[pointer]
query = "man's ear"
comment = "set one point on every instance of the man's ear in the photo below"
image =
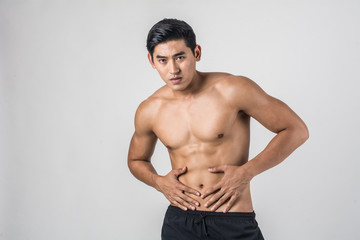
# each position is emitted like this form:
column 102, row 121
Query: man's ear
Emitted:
column 197, row 52
column 150, row 60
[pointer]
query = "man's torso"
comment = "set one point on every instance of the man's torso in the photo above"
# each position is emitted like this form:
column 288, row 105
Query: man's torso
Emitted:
column 202, row 131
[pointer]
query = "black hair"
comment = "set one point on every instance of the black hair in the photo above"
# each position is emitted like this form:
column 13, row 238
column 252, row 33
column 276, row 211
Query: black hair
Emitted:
column 170, row 29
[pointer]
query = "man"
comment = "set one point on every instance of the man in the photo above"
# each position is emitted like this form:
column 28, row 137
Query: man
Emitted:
column 204, row 119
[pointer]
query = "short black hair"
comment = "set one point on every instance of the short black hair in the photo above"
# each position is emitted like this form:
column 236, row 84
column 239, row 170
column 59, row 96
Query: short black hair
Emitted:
column 170, row 29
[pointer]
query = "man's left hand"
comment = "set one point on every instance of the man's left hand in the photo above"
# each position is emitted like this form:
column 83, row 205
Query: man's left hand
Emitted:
column 228, row 189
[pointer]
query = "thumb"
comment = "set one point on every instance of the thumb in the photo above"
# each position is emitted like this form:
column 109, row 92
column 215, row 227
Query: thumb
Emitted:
column 217, row 169
column 179, row 171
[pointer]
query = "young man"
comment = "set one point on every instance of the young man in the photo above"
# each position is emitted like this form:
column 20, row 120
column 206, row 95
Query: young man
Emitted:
column 204, row 119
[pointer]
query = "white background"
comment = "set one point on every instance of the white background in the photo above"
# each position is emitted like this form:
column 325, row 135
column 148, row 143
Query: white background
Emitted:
column 72, row 74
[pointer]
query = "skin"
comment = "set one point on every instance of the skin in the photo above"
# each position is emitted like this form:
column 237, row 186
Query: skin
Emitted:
column 204, row 121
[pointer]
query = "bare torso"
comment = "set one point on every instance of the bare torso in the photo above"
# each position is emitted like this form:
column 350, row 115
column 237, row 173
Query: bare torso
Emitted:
column 202, row 131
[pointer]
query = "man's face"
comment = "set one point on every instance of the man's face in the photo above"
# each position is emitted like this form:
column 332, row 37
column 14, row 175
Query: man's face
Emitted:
column 175, row 63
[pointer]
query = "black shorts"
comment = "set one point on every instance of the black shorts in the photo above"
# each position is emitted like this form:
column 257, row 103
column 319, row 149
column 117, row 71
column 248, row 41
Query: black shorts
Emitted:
column 189, row 225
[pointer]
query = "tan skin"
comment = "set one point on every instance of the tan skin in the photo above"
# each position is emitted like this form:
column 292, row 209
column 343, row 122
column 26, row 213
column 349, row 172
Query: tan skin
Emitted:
column 204, row 121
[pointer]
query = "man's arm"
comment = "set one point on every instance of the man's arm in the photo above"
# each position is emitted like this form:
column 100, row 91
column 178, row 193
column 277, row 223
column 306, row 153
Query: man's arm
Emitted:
column 141, row 148
column 291, row 132
column 276, row 116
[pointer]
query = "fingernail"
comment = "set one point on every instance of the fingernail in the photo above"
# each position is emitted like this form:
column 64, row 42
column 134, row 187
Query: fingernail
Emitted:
column 206, row 205
column 210, row 169
column 197, row 204
column 225, row 210
column 193, row 208
column 212, row 209
column 198, row 194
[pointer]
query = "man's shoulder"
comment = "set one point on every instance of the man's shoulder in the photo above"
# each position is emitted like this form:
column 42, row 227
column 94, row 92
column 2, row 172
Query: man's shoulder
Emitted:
column 228, row 83
column 237, row 91
column 153, row 102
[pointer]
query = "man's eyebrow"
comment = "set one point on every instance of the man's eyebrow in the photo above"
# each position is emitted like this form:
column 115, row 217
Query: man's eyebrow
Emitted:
column 158, row 56
column 175, row 55
column 179, row 53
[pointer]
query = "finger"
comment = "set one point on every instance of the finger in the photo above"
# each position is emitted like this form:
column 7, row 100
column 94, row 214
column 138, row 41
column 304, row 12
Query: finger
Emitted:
column 190, row 200
column 190, row 190
column 173, row 201
column 214, row 198
column 179, row 205
column 230, row 203
column 179, row 171
column 211, row 190
column 221, row 201
column 183, row 203
column 217, row 169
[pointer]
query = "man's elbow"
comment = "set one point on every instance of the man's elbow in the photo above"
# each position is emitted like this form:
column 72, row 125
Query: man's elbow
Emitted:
column 129, row 163
column 132, row 165
column 133, row 162
column 302, row 133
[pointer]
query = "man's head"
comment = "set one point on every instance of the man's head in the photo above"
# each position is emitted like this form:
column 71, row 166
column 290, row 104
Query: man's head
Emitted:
column 173, row 52
column 170, row 29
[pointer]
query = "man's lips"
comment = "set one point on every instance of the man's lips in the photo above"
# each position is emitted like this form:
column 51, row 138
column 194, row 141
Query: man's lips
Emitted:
column 175, row 80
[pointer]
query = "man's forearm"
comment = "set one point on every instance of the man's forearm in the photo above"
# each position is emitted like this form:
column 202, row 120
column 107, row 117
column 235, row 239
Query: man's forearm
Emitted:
column 279, row 148
column 144, row 171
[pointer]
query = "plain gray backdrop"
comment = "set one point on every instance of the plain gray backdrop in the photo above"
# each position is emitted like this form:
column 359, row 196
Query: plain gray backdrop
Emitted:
column 72, row 74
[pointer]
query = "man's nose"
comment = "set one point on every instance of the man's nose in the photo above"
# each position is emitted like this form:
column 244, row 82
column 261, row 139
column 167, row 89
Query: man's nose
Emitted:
column 174, row 68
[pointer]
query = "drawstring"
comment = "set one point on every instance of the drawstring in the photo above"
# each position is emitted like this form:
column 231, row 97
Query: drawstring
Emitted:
column 202, row 220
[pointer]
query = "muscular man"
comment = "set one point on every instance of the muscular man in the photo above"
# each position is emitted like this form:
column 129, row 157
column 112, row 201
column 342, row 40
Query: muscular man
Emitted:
column 204, row 119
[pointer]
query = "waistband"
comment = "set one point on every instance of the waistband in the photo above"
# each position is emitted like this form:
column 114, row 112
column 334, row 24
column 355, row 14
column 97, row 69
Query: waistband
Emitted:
column 189, row 212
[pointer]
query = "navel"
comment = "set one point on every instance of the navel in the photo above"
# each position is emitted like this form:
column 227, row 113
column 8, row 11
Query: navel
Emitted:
column 220, row 135
column 201, row 185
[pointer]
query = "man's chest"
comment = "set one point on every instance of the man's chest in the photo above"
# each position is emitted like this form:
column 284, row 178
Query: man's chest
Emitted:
column 202, row 120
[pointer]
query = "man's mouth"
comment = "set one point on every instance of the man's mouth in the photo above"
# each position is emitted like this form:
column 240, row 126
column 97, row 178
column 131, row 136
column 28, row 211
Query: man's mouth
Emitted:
column 175, row 80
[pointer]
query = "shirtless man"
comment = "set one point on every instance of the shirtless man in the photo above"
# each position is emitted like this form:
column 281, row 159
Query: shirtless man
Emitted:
column 204, row 121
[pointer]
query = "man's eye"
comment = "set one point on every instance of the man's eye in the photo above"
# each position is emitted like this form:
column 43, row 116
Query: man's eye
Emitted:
column 180, row 58
column 162, row 61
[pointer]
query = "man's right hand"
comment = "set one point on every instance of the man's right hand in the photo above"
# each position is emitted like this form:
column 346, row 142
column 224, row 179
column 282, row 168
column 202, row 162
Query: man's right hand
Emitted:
column 175, row 191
